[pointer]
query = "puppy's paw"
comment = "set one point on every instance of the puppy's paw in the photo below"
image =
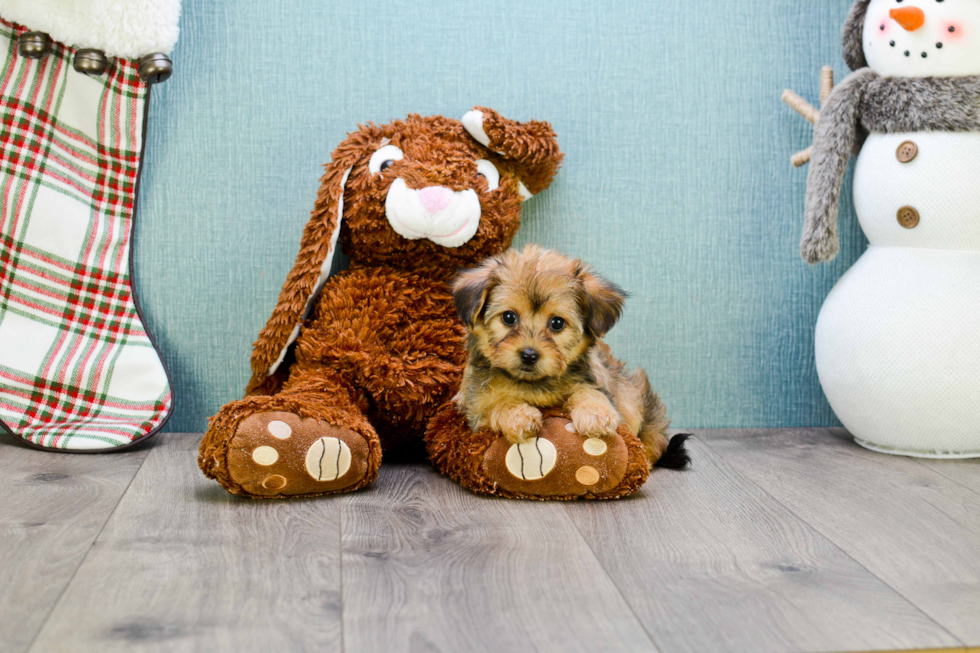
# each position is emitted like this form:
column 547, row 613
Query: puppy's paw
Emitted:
column 518, row 423
column 595, row 420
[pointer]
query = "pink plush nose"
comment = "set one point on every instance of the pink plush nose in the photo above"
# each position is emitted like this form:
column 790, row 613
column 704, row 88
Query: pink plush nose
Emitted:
column 435, row 198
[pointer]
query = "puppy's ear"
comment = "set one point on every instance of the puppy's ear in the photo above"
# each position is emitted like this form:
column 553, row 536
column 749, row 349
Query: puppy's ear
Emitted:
column 602, row 302
column 470, row 291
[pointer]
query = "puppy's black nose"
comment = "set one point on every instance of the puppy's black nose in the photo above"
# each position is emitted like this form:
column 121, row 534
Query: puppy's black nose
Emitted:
column 529, row 356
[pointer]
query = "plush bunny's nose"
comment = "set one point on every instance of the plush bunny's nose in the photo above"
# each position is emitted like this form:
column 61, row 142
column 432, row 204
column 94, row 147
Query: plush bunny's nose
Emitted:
column 911, row 18
column 435, row 198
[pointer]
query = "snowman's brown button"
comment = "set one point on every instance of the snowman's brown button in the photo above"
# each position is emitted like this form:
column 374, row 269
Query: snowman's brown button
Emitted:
column 907, row 151
column 908, row 217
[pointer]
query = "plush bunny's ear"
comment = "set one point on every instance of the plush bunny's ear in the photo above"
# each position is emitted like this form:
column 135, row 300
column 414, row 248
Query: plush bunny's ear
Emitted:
column 310, row 272
column 532, row 145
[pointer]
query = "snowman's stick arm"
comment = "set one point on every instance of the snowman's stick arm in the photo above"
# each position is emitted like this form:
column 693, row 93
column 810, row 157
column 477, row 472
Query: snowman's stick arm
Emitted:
column 808, row 111
column 802, row 157
column 826, row 83
column 805, row 109
column 801, row 106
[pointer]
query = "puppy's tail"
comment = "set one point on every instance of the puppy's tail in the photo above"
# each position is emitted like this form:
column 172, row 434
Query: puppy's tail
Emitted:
column 675, row 456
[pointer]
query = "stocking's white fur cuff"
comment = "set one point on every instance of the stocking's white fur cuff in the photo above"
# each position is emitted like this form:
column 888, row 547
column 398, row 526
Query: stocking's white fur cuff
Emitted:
column 120, row 28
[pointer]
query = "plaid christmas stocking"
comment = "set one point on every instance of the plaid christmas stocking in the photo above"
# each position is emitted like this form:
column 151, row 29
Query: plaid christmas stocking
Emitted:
column 78, row 370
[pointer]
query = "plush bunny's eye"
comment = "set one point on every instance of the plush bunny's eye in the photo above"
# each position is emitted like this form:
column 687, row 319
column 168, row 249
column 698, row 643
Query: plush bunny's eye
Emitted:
column 383, row 158
column 489, row 172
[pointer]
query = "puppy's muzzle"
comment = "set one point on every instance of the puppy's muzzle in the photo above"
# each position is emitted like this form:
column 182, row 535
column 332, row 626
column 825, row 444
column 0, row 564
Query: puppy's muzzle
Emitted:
column 446, row 217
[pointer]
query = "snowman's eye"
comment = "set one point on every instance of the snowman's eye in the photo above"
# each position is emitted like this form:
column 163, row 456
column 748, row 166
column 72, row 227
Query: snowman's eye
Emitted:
column 383, row 158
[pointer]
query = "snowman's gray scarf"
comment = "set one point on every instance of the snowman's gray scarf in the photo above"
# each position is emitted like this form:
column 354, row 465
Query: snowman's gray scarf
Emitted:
column 866, row 103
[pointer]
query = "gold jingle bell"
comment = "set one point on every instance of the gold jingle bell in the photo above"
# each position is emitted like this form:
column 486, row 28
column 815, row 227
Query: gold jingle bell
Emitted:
column 33, row 45
column 90, row 62
column 156, row 68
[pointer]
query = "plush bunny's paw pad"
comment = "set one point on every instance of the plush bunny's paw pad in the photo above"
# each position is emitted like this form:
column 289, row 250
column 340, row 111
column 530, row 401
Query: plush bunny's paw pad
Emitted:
column 558, row 463
column 280, row 454
column 473, row 123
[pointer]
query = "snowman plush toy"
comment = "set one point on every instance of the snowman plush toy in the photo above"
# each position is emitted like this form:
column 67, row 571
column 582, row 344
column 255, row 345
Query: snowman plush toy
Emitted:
column 898, row 338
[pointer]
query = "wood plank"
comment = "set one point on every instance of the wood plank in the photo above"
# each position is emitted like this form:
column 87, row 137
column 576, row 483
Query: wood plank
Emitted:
column 53, row 507
column 431, row 567
column 183, row 565
column 909, row 525
column 710, row 562
column 964, row 472
column 958, row 649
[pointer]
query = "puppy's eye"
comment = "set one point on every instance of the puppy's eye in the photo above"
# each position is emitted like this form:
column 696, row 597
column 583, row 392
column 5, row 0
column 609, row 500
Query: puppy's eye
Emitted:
column 509, row 318
column 557, row 324
column 383, row 158
column 489, row 172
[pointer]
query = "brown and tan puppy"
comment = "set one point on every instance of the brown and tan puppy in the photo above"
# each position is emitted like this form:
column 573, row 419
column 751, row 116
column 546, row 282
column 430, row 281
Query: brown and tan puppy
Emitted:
column 536, row 320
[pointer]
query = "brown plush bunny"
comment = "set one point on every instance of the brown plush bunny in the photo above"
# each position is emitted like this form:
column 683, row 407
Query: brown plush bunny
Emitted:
column 357, row 364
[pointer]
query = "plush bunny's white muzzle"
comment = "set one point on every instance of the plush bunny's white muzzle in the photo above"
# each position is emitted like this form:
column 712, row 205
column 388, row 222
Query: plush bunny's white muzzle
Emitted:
column 446, row 217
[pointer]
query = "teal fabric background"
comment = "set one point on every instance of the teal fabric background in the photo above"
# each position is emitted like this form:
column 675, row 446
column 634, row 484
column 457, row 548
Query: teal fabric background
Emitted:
column 677, row 182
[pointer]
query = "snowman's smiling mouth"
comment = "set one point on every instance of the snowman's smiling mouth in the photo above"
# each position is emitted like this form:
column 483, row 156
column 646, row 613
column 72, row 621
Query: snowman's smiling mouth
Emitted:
column 908, row 51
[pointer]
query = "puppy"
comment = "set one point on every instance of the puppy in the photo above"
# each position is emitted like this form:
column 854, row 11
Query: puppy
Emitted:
column 535, row 320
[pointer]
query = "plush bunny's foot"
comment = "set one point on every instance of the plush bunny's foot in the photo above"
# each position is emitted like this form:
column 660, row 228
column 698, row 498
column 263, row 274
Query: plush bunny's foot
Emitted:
column 279, row 454
column 558, row 464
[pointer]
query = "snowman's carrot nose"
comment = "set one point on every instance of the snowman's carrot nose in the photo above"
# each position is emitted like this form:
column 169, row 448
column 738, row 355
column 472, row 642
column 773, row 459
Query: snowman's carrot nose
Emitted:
column 911, row 18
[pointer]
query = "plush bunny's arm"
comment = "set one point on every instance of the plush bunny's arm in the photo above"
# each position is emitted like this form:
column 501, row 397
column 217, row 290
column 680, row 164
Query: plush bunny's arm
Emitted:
column 533, row 145
column 834, row 137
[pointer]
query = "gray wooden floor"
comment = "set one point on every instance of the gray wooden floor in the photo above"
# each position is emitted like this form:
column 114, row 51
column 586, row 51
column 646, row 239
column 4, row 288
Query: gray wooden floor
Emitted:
column 778, row 540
